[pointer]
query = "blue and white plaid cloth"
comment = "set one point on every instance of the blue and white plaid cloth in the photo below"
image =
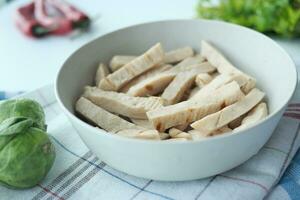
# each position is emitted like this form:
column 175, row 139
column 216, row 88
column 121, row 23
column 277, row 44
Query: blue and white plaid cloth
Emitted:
column 7, row 95
column 289, row 185
column 78, row 174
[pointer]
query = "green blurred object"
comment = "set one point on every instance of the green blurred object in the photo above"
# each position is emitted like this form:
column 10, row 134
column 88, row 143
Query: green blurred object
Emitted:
column 281, row 17
column 23, row 108
column 26, row 152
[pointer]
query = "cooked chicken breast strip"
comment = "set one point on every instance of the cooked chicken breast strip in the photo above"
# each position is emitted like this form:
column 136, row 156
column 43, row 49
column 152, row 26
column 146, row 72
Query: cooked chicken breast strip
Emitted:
column 123, row 104
column 119, row 78
column 258, row 113
column 189, row 63
column 182, row 127
column 150, row 73
column 101, row 73
column 178, row 55
column 221, row 118
column 218, row 82
column 140, row 134
column 164, row 136
column 189, row 111
column 173, row 56
column 227, row 90
column 203, row 79
column 186, row 95
column 179, row 85
column 156, row 84
column 183, row 134
column 152, row 85
column 111, row 122
column 237, row 122
column 101, row 117
column 223, row 65
column 196, row 134
column 224, row 129
column 174, row 131
column 213, row 85
column 142, row 122
column 119, row 61
column 193, row 91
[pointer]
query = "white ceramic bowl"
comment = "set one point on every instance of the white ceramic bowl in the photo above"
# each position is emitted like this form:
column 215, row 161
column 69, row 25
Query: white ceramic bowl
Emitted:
column 250, row 51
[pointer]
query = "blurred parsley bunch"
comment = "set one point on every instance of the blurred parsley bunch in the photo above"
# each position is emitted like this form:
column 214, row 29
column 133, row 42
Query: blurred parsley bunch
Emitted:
column 281, row 17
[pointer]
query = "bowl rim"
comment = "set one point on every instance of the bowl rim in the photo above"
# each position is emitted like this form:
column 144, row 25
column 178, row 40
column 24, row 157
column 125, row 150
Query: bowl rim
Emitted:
column 209, row 139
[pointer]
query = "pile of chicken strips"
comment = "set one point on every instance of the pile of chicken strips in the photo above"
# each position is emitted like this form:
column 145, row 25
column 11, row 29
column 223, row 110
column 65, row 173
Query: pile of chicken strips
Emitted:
column 174, row 95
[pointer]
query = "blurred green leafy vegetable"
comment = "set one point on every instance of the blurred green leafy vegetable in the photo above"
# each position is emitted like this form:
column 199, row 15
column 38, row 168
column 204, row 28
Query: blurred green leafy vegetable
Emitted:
column 26, row 152
column 281, row 17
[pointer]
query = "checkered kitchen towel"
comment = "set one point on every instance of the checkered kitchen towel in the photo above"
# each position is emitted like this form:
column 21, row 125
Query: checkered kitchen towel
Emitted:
column 78, row 174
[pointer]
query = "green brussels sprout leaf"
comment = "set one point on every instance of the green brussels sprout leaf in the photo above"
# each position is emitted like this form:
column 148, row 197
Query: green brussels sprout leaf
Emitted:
column 23, row 108
column 14, row 125
column 26, row 159
column 26, row 152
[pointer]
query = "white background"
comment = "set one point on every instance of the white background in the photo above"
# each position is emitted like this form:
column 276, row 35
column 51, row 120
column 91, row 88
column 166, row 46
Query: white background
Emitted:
column 26, row 64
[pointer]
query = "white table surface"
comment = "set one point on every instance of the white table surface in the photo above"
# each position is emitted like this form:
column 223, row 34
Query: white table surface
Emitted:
column 26, row 64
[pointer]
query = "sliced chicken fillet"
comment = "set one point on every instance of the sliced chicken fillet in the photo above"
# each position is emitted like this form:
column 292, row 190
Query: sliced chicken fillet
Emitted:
column 237, row 122
column 142, row 122
column 176, row 133
column 119, row 61
column 258, row 113
column 193, row 91
column 185, row 135
column 178, row 54
column 156, row 84
column 190, row 63
column 151, row 86
column 173, row 56
column 196, row 134
column 218, row 82
column 221, row 118
column 101, row 117
column 101, row 73
column 123, row 104
column 119, row 78
column 180, row 84
column 150, row 73
column 223, row 65
column 203, row 79
column 182, row 127
column 140, row 134
column 189, row 111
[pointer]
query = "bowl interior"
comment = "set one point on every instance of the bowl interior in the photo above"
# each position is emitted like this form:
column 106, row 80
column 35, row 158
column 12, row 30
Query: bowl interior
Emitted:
column 248, row 50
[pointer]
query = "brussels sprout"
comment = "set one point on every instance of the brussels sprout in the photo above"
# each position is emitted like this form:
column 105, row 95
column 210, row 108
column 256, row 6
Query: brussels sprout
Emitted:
column 26, row 159
column 26, row 152
column 12, row 126
column 23, row 108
